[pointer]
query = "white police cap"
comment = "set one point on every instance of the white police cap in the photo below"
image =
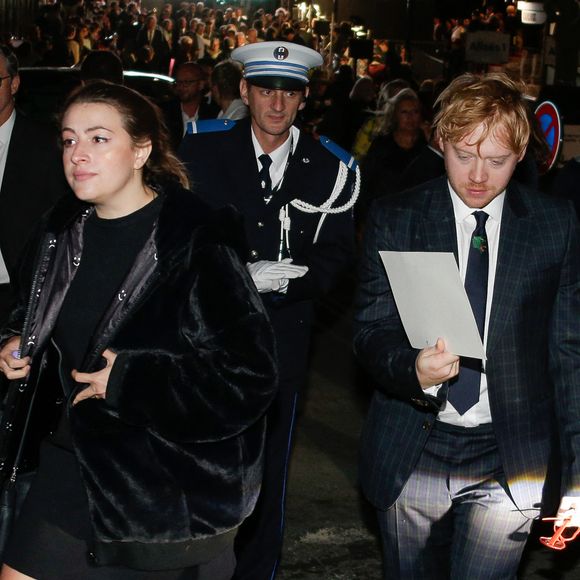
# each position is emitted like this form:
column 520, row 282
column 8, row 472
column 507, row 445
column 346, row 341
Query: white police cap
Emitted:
column 277, row 64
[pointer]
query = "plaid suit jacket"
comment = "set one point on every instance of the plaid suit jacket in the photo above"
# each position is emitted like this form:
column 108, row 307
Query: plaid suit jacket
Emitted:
column 533, row 344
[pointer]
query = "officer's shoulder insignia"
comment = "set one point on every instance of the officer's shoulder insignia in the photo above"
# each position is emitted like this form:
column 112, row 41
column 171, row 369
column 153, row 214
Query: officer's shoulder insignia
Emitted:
column 210, row 126
column 339, row 152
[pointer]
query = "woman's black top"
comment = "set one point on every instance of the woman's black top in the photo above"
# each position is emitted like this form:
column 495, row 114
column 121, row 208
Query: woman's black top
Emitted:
column 110, row 247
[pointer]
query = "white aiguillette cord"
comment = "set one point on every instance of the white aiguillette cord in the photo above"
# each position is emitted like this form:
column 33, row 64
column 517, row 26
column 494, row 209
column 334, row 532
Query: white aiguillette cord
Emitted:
column 284, row 218
column 324, row 208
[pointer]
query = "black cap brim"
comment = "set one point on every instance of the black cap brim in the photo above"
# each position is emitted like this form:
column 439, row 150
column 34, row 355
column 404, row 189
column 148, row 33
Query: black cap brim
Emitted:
column 274, row 82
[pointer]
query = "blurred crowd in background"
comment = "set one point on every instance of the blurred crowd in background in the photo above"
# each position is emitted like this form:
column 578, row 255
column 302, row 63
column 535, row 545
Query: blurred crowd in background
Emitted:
column 353, row 98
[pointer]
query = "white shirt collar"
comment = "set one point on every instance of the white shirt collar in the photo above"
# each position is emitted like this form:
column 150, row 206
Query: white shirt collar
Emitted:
column 184, row 115
column 494, row 208
column 280, row 154
column 6, row 128
column 187, row 119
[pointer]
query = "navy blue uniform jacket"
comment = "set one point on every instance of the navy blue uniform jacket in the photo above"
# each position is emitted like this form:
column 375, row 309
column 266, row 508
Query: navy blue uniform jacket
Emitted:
column 223, row 170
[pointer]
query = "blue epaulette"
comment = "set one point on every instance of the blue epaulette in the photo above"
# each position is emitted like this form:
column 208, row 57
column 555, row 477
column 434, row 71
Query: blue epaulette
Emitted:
column 339, row 152
column 210, row 126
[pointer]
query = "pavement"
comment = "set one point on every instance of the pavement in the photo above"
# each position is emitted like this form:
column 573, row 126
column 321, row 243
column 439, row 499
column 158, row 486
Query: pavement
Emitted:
column 331, row 533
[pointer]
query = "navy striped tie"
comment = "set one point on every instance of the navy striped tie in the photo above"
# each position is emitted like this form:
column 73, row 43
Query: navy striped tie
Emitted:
column 464, row 391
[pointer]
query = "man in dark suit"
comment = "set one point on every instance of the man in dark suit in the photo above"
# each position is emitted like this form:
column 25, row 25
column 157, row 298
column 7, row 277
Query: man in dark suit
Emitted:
column 298, row 224
column 190, row 104
column 456, row 457
column 31, row 176
column 151, row 35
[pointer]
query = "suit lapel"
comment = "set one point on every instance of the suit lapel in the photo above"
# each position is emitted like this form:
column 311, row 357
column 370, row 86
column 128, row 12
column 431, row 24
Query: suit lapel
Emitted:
column 293, row 178
column 517, row 235
column 438, row 228
column 240, row 156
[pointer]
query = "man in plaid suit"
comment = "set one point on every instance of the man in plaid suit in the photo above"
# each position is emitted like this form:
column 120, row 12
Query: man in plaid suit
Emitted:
column 456, row 457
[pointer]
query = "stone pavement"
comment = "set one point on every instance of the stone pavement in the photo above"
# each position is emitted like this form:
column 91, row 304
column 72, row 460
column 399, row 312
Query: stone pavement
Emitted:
column 330, row 529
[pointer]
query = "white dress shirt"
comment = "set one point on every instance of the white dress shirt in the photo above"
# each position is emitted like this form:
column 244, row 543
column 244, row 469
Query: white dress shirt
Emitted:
column 279, row 156
column 465, row 225
column 186, row 119
column 5, row 134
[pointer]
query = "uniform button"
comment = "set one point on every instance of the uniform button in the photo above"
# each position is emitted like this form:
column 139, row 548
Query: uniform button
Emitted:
column 254, row 254
column 260, row 224
column 426, row 425
column 92, row 558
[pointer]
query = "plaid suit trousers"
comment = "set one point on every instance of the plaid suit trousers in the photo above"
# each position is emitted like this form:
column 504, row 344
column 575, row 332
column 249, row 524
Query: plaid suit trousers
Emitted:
column 455, row 519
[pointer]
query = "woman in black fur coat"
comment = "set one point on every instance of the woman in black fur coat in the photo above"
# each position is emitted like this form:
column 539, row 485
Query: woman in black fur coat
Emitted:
column 139, row 321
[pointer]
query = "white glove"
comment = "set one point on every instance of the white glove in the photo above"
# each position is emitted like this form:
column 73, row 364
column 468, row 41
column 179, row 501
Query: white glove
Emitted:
column 274, row 276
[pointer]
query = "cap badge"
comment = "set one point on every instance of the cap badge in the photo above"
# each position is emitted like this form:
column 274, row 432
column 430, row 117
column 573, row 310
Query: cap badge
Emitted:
column 281, row 53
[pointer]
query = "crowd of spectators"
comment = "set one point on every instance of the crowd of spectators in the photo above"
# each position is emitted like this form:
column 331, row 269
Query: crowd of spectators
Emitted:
column 490, row 18
column 355, row 107
column 159, row 41
column 524, row 41
column 65, row 31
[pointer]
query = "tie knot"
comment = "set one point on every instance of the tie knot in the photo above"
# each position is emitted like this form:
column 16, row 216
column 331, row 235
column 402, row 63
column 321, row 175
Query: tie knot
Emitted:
column 265, row 160
column 480, row 219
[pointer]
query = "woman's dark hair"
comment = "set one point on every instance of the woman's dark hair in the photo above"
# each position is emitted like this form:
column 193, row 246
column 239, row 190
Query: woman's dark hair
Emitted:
column 143, row 122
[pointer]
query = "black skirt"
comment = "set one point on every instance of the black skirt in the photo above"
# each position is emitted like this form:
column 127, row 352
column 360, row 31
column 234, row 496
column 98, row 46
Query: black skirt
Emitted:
column 51, row 537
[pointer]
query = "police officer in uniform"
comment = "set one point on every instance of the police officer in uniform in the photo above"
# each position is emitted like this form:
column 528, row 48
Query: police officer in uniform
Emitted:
column 296, row 196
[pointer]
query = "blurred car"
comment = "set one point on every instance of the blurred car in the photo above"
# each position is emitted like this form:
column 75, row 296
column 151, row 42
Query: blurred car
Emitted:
column 44, row 89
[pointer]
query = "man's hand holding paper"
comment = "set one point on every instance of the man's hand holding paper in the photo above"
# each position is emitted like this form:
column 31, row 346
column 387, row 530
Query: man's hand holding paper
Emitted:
column 435, row 365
